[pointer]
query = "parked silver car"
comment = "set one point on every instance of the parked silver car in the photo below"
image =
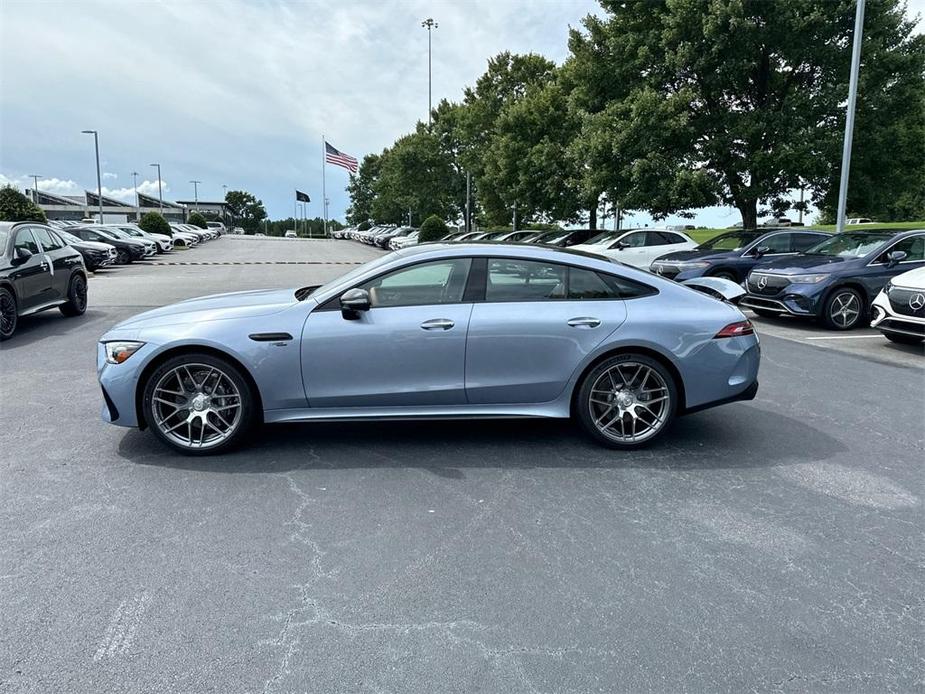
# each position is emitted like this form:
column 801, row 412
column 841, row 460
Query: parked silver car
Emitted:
column 434, row 331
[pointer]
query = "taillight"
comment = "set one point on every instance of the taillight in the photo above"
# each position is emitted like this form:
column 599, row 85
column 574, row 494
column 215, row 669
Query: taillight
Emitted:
column 742, row 327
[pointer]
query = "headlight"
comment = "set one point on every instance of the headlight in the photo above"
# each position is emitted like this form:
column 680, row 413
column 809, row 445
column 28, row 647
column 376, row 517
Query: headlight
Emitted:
column 807, row 279
column 118, row 352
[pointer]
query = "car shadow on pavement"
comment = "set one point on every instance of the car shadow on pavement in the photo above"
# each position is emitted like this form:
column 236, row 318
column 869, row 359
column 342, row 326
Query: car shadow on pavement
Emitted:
column 737, row 437
column 30, row 329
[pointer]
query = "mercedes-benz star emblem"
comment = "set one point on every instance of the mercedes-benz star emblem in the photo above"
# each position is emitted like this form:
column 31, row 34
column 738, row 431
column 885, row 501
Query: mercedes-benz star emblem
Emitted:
column 917, row 302
column 762, row 282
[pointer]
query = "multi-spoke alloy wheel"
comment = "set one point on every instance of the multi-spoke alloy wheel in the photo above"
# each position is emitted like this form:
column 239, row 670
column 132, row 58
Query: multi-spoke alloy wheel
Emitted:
column 8, row 315
column 198, row 403
column 76, row 297
column 627, row 401
column 843, row 309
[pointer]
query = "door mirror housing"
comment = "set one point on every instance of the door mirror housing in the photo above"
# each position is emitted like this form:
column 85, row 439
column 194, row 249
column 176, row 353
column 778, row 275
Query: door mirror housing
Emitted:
column 621, row 245
column 21, row 256
column 895, row 257
column 353, row 301
column 761, row 250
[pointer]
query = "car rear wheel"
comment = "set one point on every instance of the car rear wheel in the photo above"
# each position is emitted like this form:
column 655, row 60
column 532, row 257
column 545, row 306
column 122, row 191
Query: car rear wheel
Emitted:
column 627, row 401
column 76, row 297
column 843, row 310
column 9, row 314
column 199, row 404
column 901, row 339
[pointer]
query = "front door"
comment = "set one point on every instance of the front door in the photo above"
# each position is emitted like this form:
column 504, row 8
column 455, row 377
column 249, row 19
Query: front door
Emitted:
column 408, row 349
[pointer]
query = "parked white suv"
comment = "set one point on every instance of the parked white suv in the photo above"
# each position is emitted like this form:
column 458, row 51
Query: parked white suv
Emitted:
column 899, row 308
column 637, row 247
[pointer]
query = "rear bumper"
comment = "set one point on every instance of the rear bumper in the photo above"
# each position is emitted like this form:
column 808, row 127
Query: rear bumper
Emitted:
column 748, row 394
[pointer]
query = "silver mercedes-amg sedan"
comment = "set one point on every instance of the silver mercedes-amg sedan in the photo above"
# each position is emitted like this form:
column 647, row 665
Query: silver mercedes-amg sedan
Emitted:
column 434, row 331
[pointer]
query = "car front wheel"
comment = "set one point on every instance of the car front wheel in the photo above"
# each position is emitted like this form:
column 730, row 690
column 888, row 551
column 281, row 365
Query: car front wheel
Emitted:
column 627, row 401
column 843, row 310
column 123, row 257
column 199, row 404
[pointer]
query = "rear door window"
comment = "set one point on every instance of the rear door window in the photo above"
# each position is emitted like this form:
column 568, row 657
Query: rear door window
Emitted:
column 525, row 280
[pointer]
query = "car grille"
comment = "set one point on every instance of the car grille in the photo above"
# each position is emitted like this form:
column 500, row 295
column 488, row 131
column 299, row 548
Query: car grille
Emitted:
column 901, row 326
column 767, row 285
column 669, row 271
column 903, row 300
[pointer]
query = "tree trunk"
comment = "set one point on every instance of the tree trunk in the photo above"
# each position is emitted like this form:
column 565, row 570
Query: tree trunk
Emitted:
column 592, row 217
column 749, row 210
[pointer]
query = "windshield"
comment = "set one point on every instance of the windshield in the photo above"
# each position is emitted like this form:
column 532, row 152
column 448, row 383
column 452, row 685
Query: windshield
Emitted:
column 735, row 241
column 346, row 280
column 849, row 245
column 70, row 238
column 4, row 235
column 112, row 233
column 603, row 238
column 130, row 231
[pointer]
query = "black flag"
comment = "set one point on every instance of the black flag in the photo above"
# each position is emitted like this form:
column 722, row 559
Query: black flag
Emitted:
column 302, row 197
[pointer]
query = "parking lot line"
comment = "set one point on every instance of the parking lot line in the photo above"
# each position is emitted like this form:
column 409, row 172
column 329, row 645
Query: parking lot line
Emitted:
column 844, row 337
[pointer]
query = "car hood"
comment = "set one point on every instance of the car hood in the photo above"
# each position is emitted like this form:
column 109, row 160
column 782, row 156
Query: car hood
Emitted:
column 262, row 302
column 699, row 254
column 799, row 264
column 92, row 245
column 914, row 279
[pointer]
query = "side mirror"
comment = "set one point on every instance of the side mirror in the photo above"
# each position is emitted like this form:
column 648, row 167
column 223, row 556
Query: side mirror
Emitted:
column 621, row 245
column 352, row 301
column 21, row 256
column 761, row 250
column 895, row 258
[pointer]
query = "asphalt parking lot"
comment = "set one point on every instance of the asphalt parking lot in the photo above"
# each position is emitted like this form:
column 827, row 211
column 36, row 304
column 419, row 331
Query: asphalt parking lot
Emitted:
column 774, row 545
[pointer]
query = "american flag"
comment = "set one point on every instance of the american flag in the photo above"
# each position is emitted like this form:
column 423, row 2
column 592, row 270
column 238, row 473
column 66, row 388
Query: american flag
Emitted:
column 338, row 158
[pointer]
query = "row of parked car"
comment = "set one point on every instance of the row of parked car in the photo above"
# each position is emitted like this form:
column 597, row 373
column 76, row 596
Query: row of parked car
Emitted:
column 842, row 280
column 122, row 243
column 44, row 266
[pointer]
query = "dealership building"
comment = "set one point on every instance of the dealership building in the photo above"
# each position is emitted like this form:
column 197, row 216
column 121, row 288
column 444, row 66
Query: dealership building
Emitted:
column 87, row 206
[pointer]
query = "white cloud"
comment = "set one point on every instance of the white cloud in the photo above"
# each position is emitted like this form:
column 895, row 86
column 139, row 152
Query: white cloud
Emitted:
column 108, row 175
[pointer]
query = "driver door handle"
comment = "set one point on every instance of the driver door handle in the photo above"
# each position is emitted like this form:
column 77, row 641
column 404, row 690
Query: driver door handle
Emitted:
column 584, row 322
column 437, row 324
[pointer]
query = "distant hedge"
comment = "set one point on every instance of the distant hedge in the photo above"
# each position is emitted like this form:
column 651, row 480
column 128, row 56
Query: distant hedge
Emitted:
column 433, row 229
column 197, row 219
column 16, row 207
column 154, row 223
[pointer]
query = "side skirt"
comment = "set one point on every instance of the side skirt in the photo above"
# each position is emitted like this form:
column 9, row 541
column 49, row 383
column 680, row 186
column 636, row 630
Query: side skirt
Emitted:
column 554, row 410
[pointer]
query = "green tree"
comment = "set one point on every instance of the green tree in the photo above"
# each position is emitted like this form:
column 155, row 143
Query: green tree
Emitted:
column 16, row 207
column 154, row 223
column 416, row 176
column 197, row 219
column 364, row 226
column 734, row 102
column 246, row 209
column 361, row 189
column 433, row 229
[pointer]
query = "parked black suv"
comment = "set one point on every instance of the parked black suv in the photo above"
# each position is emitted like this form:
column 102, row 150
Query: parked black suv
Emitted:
column 96, row 255
column 38, row 270
column 126, row 251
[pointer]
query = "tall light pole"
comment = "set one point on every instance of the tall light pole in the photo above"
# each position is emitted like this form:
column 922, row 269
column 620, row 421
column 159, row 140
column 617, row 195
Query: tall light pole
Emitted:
column 160, row 195
column 196, row 193
column 849, row 116
column 430, row 25
column 224, row 195
column 35, row 187
column 99, row 177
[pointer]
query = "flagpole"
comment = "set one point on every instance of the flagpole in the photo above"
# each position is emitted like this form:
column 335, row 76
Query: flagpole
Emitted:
column 324, row 189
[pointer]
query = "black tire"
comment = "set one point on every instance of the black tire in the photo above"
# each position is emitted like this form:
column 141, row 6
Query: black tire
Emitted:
column 123, row 257
column 726, row 275
column 76, row 297
column 592, row 412
column 844, row 309
column 9, row 314
column 764, row 313
column 901, row 339
column 195, row 364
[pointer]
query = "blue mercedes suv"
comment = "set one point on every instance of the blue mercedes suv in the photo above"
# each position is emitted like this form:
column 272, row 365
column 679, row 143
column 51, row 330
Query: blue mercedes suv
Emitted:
column 732, row 255
column 837, row 280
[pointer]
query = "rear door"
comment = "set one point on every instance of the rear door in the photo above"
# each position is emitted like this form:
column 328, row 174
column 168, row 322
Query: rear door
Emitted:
column 59, row 258
column 537, row 322
column 32, row 279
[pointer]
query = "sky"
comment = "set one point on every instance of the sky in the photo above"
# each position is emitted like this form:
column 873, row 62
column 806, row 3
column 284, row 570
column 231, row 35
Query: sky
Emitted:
column 241, row 93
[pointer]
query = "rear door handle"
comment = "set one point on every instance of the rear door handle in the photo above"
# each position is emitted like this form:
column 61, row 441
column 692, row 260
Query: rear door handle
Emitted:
column 438, row 324
column 584, row 322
